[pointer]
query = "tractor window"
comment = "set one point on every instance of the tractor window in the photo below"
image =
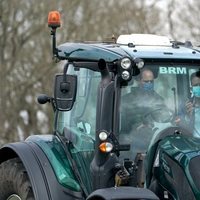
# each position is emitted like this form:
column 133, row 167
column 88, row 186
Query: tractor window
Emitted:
column 153, row 101
column 80, row 121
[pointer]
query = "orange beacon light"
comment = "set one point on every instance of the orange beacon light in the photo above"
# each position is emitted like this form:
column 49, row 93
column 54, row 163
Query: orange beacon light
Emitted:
column 54, row 19
column 54, row 23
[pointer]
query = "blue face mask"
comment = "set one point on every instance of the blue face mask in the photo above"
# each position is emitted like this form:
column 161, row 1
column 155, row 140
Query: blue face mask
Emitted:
column 196, row 91
column 149, row 86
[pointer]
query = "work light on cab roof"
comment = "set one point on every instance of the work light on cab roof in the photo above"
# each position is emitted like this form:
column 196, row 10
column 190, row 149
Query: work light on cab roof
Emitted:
column 126, row 63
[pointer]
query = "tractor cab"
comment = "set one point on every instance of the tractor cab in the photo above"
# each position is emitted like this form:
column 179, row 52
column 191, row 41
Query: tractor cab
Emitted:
column 130, row 96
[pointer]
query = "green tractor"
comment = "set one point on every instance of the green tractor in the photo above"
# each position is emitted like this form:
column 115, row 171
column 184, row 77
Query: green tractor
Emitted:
column 108, row 143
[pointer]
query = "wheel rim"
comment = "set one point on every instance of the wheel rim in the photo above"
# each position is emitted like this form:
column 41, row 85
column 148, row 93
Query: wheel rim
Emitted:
column 14, row 197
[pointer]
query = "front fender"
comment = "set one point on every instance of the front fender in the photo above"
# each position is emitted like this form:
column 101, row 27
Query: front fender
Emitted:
column 50, row 178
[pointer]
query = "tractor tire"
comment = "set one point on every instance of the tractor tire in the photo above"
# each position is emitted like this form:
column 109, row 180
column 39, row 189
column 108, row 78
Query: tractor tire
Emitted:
column 14, row 181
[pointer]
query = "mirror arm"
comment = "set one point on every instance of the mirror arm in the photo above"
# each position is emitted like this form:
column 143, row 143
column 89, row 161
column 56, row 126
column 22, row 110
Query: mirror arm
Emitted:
column 64, row 86
column 104, row 70
column 65, row 71
column 53, row 104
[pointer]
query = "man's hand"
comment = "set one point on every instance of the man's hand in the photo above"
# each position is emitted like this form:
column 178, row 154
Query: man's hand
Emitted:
column 189, row 108
column 142, row 126
column 177, row 120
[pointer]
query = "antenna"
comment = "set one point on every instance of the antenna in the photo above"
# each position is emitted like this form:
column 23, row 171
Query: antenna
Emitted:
column 175, row 101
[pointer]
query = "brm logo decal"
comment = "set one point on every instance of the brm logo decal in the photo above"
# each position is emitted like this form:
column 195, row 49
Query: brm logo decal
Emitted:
column 172, row 70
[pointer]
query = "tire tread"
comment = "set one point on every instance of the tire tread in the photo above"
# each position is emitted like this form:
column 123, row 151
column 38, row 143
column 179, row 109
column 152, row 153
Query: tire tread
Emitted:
column 14, row 180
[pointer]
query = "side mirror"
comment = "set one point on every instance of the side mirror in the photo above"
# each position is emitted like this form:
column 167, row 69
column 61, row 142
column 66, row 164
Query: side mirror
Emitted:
column 65, row 91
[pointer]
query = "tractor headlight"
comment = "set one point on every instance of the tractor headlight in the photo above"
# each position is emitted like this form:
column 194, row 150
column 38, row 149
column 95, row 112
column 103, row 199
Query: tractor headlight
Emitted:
column 139, row 63
column 125, row 75
column 125, row 63
column 125, row 69
column 103, row 136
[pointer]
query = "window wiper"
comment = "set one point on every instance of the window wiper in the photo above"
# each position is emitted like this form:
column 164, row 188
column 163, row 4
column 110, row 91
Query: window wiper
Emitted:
column 66, row 146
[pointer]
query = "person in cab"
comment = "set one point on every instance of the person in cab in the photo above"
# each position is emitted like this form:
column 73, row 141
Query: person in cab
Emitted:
column 189, row 115
column 140, row 108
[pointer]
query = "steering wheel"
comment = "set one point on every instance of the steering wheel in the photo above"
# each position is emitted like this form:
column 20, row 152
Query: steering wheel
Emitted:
column 159, row 115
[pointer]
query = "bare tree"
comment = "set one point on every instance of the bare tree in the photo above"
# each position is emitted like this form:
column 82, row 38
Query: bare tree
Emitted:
column 181, row 20
column 21, row 65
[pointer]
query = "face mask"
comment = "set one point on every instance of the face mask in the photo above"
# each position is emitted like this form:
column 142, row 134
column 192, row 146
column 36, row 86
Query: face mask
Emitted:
column 148, row 86
column 196, row 91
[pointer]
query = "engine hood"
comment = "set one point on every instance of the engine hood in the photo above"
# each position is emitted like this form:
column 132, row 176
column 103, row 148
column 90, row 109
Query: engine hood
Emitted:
column 179, row 158
column 181, row 148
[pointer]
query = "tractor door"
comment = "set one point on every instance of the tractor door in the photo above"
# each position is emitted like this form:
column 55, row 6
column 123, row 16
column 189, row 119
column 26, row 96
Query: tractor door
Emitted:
column 78, row 125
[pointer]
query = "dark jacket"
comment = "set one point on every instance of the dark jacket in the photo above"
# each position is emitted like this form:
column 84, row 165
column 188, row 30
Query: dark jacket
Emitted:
column 137, row 105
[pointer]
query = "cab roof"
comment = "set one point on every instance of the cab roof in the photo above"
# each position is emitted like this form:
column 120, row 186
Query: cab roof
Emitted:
column 144, row 46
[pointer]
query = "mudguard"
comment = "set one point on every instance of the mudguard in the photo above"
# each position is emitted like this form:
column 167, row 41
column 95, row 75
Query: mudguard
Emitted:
column 176, row 167
column 42, row 175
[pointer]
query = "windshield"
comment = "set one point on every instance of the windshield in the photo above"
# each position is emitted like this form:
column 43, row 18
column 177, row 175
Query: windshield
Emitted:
column 159, row 97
